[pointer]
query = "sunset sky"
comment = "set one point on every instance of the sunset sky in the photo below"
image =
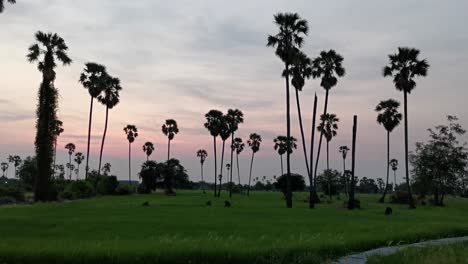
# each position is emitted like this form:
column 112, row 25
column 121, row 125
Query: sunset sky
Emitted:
column 179, row 59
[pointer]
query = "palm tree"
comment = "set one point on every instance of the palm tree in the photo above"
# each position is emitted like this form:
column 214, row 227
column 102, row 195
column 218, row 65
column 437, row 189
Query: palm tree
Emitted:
column 390, row 118
column 132, row 133
column 70, row 167
column 228, row 168
column 214, row 121
column 170, row 129
column 2, row 5
column 238, row 146
column 110, row 98
column 11, row 159
column 394, row 164
column 328, row 66
column 4, row 167
column 328, row 127
column 93, row 78
column 16, row 160
column 234, row 118
column 287, row 41
column 79, row 157
column 254, row 143
column 48, row 49
column 281, row 146
column 202, row 154
column 106, row 169
column 344, row 153
column 224, row 133
column 71, row 149
column 148, row 148
column 404, row 67
column 57, row 130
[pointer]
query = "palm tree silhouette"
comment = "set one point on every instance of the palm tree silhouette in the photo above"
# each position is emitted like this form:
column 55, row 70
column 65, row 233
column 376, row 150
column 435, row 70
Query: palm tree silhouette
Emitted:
column 48, row 49
column 234, row 118
column 57, row 130
column 328, row 127
column 110, row 98
column 404, row 67
column 344, row 153
column 238, row 146
column 224, row 133
column 389, row 117
column 281, row 146
column 93, row 78
column 71, row 149
column 10, row 159
column 394, row 164
column 254, row 143
column 170, row 129
column 148, row 148
column 106, row 168
column 328, row 66
column 16, row 160
column 132, row 133
column 287, row 41
column 4, row 167
column 79, row 157
column 214, row 122
column 2, row 5
column 70, row 167
column 202, row 154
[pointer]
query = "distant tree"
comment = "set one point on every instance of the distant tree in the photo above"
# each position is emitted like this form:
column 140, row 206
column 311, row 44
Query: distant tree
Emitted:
column 344, row 153
column 132, row 133
column 234, row 118
column 381, row 184
column 254, row 143
column 106, row 169
column 287, row 42
column 202, row 154
column 61, row 170
column 394, row 165
column 214, row 122
column 70, row 168
column 149, row 176
column 57, row 130
column 79, row 157
column 16, row 161
column 2, row 5
column 297, row 183
column 48, row 49
column 329, row 182
column 328, row 127
column 27, row 171
column 71, row 149
column 238, row 146
column 148, row 149
column 368, row 186
column 4, row 166
column 172, row 174
column 170, row 129
column 281, row 146
column 404, row 67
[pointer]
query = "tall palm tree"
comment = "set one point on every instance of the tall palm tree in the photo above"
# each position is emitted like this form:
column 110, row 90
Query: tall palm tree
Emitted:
column 281, row 146
column 394, row 164
column 47, row 51
column 57, row 130
column 11, row 159
column 287, row 42
column 344, row 153
column 328, row 127
column 238, row 146
column 16, row 162
column 328, row 66
column 389, row 117
column 110, row 98
column 93, row 78
column 234, row 118
column 79, row 157
column 2, row 5
column 4, row 167
column 132, row 133
column 404, row 67
column 224, row 133
column 214, row 122
column 254, row 143
column 202, row 154
column 170, row 129
column 148, row 149
column 71, row 149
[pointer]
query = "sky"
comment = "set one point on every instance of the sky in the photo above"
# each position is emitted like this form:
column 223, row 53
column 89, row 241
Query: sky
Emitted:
column 179, row 59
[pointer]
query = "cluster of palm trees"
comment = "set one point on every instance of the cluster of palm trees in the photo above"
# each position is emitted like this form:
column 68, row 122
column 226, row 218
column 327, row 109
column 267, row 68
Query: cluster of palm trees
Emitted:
column 13, row 159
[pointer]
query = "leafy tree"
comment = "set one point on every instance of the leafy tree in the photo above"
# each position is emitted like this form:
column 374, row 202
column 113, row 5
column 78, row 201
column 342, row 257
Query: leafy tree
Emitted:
column 234, row 118
column 367, row 186
column 148, row 149
column 48, row 49
column 344, row 153
column 27, row 172
column 329, row 182
column 71, row 149
column 79, row 157
column 287, row 42
column 404, row 67
column 132, row 133
column 170, row 129
column 172, row 174
column 202, row 154
column 394, row 165
column 297, row 183
column 148, row 176
column 254, row 143
column 238, row 146
column 57, row 130
column 281, row 146
column 2, row 5
column 214, row 123
column 381, row 184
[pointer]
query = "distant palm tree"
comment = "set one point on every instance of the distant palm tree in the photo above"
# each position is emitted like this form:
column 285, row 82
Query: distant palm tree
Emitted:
column 281, row 146
column 328, row 66
column 57, row 130
column 394, row 164
column 224, row 133
column 2, row 5
column 404, row 67
column 110, row 98
column 48, row 49
column 71, row 149
column 4, row 167
column 390, row 118
column 148, row 148
column 70, row 168
column 328, row 127
column 16, row 160
column 344, row 153
column 287, row 41
column 254, row 143
column 93, row 78
column 106, row 169
column 234, row 118
column 214, row 122
column 11, row 159
column 202, row 154
column 79, row 157
column 132, row 133
column 238, row 146
column 170, row 129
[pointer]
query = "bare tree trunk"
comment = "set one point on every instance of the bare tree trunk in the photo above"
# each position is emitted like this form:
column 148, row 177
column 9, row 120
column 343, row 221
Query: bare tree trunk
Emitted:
column 103, row 139
column 89, row 136
column 302, row 131
column 382, row 199
column 351, row 202
column 250, row 174
column 320, row 141
column 411, row 202
column 215, row 166
column 221, row 170
column 312, row 188
column 288, row 139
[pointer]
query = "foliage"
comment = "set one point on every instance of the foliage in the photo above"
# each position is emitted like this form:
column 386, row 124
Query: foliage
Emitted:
column 332, row 177
column 149, row 177
column 27, row 172
column 124, row 189
column 297, row 183
column 13, row 192
column 107, row 185
column 367, row 186
column 78, row 190
column 399, row 197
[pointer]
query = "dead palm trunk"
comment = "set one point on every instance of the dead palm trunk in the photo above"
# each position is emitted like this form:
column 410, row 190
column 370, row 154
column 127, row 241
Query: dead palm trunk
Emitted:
column 250, row 174
column 221, row 170
column 411, row 202
column 103, row 139
column 215, row 166
column 302, row 131
column 312, row 188
column 382, row 199
column 320, row 141
column 230, row 172
column 288, row 143
column 89, row 136
column 351, row 202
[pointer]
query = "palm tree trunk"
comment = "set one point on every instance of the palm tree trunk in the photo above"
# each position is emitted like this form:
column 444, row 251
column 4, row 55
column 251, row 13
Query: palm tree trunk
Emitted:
column 288, row 134
column 351, row 202
column 394, row 181
column 250, row 174
column 281, row 159
column 203, row 182
column 230, row 172
column 320, row 141
column 382, row 199
column 312, row 189
column 238, row 170
column 302, row 131
column 215, row 166
column 78, row 172
column 129, row 163
column 69, row 169
column 168, row 148
column 103, row 139
column 55, row 156
column 328, row 169
column 221, row 170
column 411, row 202
column 89, row 136
column 344, row 177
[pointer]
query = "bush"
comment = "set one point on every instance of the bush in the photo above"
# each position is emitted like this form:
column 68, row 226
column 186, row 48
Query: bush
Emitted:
column 143, row 189
column 107, row 185
column 399, row 197
column 78, row 190
column 123, row 189
column 297, row 183
column 5, row 200
column 14, row 192
column 464, row 194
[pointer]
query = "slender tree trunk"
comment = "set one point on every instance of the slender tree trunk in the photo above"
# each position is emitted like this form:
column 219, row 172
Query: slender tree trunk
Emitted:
column 344, row 177
column 288, row 135
column 69, row 169
column 203, row 182
column 328, row 170
column 55, row 156
column 89, row 136
column 129, row 163
column 312, row 188
column 351, row 202
column 238, row 170
column 250, row 174
column 394, row 180
column 281, row 159
column 411, row 202
column 302, row 131
column 320, row 141
column 230, row 172
column 221, row 170
column 388, row 168
column 78, row 172
column 215, row 166
column 103, row 139
column 168, row 148
column 147, row 158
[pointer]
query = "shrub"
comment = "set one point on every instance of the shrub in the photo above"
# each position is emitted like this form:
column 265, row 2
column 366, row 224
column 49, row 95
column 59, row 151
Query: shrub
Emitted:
column 464, row 194
column 14, row 192
column 107, row 185
column 78, row 190
column 297, row 183
column 123, row 189
column 399, row 197
column 143, row 189
column 5, row 200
